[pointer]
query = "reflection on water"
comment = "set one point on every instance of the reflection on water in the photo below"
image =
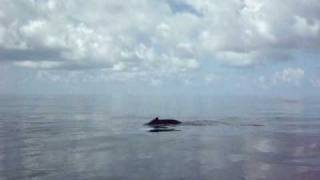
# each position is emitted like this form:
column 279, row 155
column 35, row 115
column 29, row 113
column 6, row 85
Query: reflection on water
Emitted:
column 162, row 129
column 86, row 137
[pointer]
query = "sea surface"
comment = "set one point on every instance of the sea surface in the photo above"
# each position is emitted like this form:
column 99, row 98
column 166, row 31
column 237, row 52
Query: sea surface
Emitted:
column 103, row 137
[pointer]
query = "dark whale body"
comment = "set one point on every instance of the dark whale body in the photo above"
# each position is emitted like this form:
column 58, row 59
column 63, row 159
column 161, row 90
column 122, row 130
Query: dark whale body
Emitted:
column 163, row 122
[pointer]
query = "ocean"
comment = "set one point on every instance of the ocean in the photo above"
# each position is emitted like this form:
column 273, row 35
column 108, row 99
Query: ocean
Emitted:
column 104, row 137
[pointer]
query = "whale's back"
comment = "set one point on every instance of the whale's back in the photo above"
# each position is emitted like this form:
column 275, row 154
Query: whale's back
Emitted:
column 163, row 122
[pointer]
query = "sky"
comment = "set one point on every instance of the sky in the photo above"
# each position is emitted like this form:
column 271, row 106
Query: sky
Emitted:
column 214, row 47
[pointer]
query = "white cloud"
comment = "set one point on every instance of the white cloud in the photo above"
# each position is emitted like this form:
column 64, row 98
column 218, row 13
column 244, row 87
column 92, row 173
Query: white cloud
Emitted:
column 119, row 66
column 163, row 36
column 156, row 82
column 315, row 82
column 291, row 76
column 209, row 78
column 40, row 65
column 237, row 58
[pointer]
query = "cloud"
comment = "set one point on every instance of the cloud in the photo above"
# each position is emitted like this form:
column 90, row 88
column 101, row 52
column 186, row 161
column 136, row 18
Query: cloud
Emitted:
column 40, row 65
column 166, row 36
column 209, row 78
column 290, row 76
column 179, row 6
column 315, row 82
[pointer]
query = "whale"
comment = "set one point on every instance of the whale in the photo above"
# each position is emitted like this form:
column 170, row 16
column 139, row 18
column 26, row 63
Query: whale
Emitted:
column 163, row 122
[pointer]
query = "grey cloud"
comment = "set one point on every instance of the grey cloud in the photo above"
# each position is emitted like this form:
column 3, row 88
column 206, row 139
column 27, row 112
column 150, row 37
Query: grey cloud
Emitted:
column 178, row 6
column 7, row 54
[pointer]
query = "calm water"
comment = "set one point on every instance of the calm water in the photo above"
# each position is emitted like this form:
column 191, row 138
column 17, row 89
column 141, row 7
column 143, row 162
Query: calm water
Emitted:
column 91, row 137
